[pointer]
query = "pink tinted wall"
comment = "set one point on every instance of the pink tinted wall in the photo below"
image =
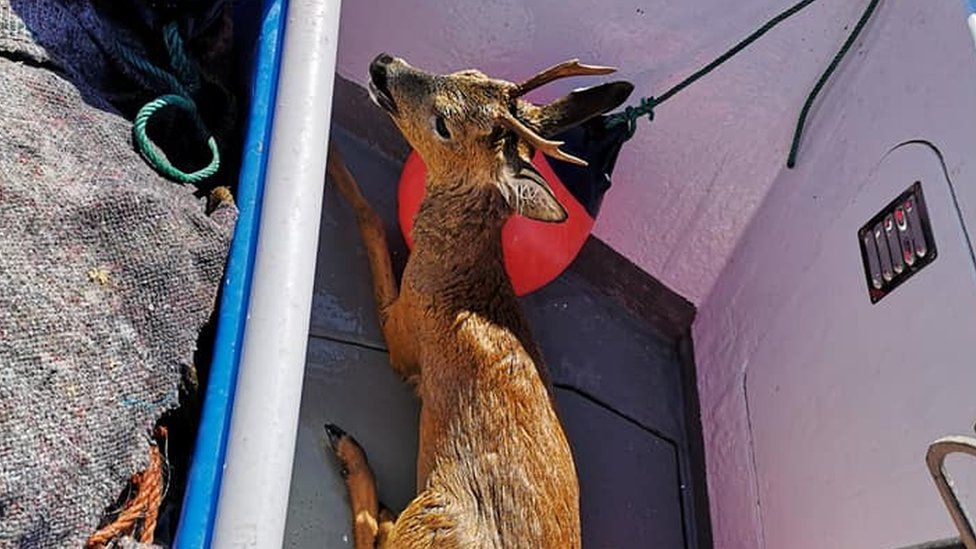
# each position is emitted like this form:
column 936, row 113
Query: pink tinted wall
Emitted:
column 688, row 183
column 818, row 406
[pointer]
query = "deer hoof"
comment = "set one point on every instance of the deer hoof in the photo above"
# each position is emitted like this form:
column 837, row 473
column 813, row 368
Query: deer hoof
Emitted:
column 335, row 434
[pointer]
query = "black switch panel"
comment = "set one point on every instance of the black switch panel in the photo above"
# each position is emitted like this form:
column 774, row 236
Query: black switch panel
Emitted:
column 896, row 243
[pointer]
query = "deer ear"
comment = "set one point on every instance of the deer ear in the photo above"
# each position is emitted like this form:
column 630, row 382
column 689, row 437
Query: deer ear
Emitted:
column 580, row 106
column 528, row 193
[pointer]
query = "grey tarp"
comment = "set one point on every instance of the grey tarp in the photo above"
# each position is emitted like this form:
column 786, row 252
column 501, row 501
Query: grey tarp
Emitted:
column 107, row 274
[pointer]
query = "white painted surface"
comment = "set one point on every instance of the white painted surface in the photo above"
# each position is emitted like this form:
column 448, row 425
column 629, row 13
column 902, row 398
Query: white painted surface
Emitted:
column 842, row 411
column 257, row 474
column 971, row 21
column 686, row 186
column 835, row 453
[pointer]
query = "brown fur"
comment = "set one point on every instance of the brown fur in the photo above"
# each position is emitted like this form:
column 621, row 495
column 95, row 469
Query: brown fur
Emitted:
column 494, row 467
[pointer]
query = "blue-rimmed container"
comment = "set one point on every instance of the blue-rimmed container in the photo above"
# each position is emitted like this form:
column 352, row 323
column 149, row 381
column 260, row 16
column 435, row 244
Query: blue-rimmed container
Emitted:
column 259, row 27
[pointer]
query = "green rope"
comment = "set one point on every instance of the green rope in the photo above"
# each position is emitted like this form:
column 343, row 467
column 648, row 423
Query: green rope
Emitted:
column 141, row 70
column 155, row 157
column 180, row 96
column 630, row 115
column 801, row 121
column 651, row 102
column 184, row 66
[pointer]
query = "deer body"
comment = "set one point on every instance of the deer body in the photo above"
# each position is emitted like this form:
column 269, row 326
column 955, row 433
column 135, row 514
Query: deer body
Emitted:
column 494, row 468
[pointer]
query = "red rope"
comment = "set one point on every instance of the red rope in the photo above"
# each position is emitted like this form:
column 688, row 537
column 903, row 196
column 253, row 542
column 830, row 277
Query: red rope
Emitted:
column 144, row 506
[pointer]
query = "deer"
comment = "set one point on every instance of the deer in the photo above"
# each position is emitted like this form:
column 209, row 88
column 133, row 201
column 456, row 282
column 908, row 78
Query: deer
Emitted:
column 494, row 466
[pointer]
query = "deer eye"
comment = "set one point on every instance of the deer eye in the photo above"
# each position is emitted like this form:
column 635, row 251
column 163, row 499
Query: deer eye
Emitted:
column 440, row 125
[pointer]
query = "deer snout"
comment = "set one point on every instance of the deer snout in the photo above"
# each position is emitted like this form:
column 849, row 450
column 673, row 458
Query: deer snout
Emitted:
column 378, row 68
column 379, row 82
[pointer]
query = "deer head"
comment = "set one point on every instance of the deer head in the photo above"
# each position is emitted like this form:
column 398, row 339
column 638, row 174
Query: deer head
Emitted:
column 471, row 129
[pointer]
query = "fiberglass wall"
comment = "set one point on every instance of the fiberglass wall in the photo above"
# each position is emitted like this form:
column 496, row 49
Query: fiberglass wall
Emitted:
column 818, row 406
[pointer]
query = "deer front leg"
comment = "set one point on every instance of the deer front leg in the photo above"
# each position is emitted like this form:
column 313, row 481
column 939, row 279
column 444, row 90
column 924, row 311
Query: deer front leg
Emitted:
column 387, row 521
column 371, row 227
column 426, row 522
column 361, row 484
column 395, row 330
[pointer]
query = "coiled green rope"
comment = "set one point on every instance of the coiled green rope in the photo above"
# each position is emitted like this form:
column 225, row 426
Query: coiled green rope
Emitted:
column 155, row 157
column 180, row 96
column 630, row 115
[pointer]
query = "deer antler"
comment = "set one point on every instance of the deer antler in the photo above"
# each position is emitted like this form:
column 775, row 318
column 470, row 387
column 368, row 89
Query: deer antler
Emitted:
column 555, row 72
column 550, row 148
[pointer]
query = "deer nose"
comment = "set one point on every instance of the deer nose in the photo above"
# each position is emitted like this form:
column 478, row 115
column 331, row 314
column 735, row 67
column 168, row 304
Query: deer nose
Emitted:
column 383, row 59
column 378, row 69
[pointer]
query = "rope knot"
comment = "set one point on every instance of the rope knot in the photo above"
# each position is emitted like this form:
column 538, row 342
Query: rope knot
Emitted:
column 631, row 114
column 646, row 106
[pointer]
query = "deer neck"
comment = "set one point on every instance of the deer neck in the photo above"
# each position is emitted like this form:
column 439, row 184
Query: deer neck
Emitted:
column 457, row 259
column 457, row 239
